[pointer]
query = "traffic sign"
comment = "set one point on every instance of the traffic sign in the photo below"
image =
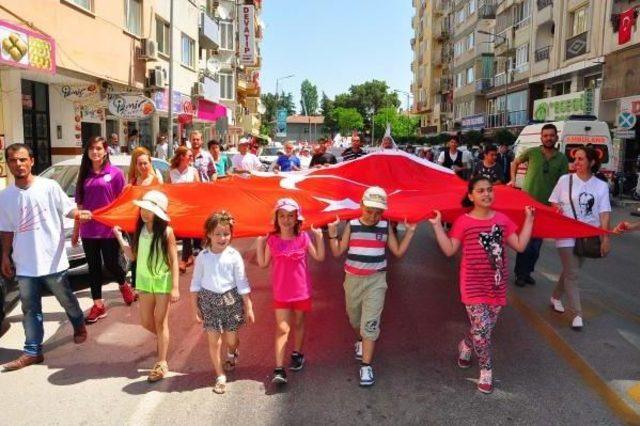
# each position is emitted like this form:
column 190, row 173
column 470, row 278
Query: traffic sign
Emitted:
column 624, row 133
column 626, row 120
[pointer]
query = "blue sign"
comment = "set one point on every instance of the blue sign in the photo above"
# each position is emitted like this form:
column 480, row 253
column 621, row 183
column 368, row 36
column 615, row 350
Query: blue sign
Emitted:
column 473, row 122
column 626, row 120
column 281, row 123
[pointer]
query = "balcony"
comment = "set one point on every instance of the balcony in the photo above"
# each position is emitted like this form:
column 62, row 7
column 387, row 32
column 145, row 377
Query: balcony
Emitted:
column 446, row 85
column 484, row 84
column 487, row 9
column 545, row 13
column 544, row 3
column 211, row 89
column 209, row 32
column 500, row 79
column 446, row 55
column 576, row 46
column 542, row 54
column 504, row 41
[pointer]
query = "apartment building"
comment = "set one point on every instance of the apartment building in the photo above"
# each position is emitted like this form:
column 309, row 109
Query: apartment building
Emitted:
column 74, row 58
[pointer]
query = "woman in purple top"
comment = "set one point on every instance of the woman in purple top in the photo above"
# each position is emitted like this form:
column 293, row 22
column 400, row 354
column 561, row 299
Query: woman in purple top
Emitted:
column 99, row 183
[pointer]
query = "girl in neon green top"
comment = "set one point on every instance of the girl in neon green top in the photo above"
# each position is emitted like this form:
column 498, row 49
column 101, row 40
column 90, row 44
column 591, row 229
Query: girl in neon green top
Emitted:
column 154, row 249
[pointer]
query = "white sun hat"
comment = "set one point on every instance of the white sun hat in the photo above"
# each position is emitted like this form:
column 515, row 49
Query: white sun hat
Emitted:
column 289, row 205
column 156, row 202
column 375, row 197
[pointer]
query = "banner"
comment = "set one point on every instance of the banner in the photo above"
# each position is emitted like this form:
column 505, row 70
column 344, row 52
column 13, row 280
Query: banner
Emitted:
column 131, row 107
column 26, row 49
column 247, row 35
column 79, row 93
column 281, row 123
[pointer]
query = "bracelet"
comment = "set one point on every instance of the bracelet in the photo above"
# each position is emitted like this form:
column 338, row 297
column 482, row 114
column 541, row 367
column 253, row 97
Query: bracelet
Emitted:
column 333, row 238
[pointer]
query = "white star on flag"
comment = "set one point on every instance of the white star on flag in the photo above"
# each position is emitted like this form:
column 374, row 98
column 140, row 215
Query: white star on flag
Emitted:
column 334, row 205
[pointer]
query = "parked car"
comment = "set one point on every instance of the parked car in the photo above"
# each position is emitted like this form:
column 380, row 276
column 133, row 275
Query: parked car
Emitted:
column 269, row 155
column 66, row 174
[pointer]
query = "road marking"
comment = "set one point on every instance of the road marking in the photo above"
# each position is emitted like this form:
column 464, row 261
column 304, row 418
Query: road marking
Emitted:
column 617, row 405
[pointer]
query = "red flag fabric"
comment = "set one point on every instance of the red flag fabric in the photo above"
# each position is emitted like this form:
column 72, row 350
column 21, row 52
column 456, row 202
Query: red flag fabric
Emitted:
column 627, row 19
column 415, row 186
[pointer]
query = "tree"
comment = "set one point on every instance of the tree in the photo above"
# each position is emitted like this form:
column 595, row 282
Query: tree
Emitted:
column 402, row 125
column 347, row 119
column 504, row 135
column 308, row 98
column 472, row 138
column 286, row 101
column 326, row 109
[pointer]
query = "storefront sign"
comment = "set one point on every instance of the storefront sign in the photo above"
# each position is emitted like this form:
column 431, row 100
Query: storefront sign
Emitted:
column 624, row 133
column 182, row 104
column 131, row 107
column 558, row 108
column 473, row 122
column 247, row 35
column 26, row 49
column 78, row 93
column 92, row 113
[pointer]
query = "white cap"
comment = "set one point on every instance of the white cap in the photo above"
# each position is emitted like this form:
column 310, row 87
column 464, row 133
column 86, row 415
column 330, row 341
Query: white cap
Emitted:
column 375, row 197
column 156, row 202
column 289, row 205
column 244, row 141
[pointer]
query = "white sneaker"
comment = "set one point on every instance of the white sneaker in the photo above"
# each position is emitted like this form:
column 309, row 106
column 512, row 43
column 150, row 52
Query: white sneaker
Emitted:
column 556, row 304
column 576, row 324
column 366, row 375
column 358, row 348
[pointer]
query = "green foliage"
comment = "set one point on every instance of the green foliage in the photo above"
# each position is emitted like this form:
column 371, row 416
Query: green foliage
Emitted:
column 401, row 125
column 308, row 98
column 503, row 135
column 472, row 137
column 271, row 105
column 347, row 119
column 326, row 109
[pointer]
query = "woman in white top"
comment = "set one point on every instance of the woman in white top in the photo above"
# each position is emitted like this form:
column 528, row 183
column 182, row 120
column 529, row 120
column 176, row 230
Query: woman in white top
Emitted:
column 590, row 197
column 182, row 171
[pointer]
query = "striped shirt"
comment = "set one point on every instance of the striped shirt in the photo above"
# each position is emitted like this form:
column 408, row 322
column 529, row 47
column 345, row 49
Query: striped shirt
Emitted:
column 367, row 245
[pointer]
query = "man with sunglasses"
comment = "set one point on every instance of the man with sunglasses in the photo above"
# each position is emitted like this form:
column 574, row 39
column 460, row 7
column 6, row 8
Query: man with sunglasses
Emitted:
column 545, row 165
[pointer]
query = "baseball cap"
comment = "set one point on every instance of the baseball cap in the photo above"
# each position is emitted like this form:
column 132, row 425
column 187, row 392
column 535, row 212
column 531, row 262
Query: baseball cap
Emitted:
column 156, row 202
column 375, row 197
column 289, row 205
column 244, row 141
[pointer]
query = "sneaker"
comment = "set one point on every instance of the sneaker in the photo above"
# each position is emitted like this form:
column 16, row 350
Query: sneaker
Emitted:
column 279, row 376
column 358, row 348
column 576, row 324
column 96, row 313
column 23, row 360
column 232, row 360
column 297, row 361
column 220, row 386
column 485, row 383
column 557, row 306
column 366, row 375
column 80, row 334
column 464, row 355
column 127, row 293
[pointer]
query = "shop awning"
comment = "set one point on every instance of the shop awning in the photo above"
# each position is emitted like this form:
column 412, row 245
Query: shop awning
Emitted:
column 210, row 111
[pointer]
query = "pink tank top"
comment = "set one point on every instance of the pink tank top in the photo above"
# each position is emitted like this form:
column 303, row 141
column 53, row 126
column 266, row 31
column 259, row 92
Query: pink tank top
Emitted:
column 289, row 270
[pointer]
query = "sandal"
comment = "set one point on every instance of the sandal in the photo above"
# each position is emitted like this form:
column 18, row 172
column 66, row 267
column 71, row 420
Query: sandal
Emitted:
column 220, row 386
column 158, row 372
column 230, row 363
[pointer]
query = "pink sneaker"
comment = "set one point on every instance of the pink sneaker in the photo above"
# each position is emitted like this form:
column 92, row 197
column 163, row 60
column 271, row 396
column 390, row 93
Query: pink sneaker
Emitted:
column 485, row 383
column 96, row 313
column 127, row 294
column 464, row 355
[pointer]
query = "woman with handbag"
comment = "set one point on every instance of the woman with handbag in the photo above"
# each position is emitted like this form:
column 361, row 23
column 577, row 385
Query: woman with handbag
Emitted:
column 584, row 197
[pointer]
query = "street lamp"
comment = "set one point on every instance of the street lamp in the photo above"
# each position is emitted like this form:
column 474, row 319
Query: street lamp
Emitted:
column 278, row 81
column 506, row 73
column 407, row 94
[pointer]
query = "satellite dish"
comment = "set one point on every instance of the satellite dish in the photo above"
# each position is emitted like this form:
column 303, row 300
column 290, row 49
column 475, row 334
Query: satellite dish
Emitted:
column 213, row 65
column 262, row 109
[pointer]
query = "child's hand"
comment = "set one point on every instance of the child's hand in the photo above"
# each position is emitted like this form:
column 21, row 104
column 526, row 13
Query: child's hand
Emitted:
column 622, row 227
column 411, row 227
column 316, row 232
column 529, row 212
column 437, row 219
column 75, row 237
column 250, row 318
column 198, row 316
column 175, row 295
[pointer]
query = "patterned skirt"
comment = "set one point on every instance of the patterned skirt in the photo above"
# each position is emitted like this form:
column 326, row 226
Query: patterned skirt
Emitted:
column 221, row 312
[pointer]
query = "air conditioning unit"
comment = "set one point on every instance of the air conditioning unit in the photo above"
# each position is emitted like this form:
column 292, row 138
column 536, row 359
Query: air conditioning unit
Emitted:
column 149, row 50
column 197, row 91
column 157, row 78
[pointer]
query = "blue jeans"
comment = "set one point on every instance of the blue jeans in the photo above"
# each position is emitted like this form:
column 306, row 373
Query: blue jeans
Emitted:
column 526, row 261
column 31, row 300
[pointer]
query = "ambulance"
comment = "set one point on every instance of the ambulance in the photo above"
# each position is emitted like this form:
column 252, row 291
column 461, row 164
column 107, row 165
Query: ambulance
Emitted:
column 572, row 133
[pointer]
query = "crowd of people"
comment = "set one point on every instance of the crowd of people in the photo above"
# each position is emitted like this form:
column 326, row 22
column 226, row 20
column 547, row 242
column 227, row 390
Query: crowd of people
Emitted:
column 32, row 210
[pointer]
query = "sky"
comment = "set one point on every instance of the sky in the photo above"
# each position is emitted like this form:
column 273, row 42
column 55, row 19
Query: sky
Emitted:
column 336, row 43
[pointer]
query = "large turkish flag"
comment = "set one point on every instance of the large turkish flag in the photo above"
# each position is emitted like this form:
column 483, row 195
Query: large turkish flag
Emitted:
column 416, row 187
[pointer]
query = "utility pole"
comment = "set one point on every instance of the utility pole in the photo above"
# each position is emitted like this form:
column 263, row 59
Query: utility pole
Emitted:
column 170, row 95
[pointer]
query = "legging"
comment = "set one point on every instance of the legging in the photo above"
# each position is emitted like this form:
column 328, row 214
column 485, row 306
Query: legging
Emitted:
column 97, row 251
column 483, row 318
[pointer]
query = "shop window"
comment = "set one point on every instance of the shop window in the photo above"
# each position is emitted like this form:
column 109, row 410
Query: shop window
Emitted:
column 162, row 36
column 187, row 55
column 561, row 88
column 579, row 20
column 133, row 16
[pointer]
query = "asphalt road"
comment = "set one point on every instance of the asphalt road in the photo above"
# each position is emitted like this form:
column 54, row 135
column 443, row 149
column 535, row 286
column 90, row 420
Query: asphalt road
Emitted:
column 545, row 373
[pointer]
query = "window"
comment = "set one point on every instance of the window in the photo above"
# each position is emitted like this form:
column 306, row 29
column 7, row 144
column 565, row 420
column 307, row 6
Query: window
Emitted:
column 472, row 7
column 162, row 35
column 226, row 86
column 188, row 51
column 226, row 35
column 522, row 12
column 522, row 58
column 133, row 16
column 470, row 75
column 591, row 81
column 470, row 41
column 562, row 88
column 85, row 4
column 579, row 18
column 459, row 79
column 458, row 48
column 460, row 16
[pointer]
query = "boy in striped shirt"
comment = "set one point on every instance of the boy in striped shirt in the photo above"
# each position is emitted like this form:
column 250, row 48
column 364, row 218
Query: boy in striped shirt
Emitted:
column 365, row 240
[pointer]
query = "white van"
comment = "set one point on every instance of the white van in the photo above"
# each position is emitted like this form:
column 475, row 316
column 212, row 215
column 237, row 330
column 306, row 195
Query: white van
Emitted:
column 571, row 134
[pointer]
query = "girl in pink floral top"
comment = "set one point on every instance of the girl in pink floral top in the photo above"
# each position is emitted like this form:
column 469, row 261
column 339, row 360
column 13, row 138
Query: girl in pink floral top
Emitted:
column 483, row 234
column 288, row 248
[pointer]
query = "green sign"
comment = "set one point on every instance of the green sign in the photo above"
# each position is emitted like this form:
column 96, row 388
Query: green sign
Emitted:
column 561, row 107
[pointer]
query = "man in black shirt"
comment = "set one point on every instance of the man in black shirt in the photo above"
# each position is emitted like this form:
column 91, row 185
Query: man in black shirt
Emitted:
column 355, row 151
column 505, row 157
column 322, row 157
column 489, row 167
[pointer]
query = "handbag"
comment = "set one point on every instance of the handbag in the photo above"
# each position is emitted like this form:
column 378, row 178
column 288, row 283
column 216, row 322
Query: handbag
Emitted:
column 585, row 246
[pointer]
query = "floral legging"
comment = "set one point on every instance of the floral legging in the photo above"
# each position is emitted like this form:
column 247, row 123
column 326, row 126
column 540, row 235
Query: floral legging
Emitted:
column 483, row 318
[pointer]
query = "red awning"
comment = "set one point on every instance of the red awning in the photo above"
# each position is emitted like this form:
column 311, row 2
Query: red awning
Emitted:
column 210, row 111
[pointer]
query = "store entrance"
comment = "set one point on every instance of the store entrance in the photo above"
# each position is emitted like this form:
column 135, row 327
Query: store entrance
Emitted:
column 35, row 118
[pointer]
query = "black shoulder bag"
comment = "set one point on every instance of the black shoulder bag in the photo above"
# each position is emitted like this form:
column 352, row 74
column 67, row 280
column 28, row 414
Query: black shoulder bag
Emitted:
column 585, row 246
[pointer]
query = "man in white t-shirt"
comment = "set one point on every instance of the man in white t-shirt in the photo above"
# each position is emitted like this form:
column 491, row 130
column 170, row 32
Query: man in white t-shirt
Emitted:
column 455, row 159
column 32, row 212
column 244, row 161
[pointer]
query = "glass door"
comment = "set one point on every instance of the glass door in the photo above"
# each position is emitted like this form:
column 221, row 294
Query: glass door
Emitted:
column 35, row 118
